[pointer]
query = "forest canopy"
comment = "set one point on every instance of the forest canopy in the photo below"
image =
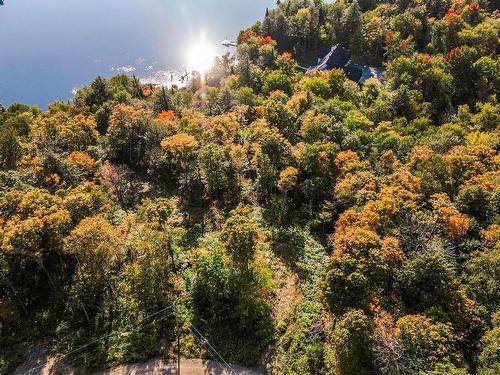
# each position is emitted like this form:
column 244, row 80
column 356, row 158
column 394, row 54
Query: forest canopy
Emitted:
column 302, row 223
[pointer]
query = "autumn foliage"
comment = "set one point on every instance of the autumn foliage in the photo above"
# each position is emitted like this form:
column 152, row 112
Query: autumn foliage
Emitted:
column 303, row 223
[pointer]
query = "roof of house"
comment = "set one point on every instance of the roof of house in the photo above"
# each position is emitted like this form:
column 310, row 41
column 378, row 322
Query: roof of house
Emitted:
column 352, row 72
column 338, row 58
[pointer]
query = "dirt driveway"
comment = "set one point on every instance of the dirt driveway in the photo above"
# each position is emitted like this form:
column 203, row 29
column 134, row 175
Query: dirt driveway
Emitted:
column 188, row 367
column 40, row 363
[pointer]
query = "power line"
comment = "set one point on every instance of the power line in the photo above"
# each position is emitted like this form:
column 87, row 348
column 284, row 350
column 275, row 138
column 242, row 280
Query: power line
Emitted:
column 204, row 339
column 196, row 332
column 121, row 334
column 106, row 336
column 203, row 345
column 137, row 328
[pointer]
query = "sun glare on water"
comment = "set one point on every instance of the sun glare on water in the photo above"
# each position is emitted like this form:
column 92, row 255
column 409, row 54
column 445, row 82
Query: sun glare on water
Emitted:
column 201, row 56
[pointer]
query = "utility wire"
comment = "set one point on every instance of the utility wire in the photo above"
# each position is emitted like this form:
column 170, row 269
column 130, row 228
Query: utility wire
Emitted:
column 120, row 334
column 204, row 339
column 137, row 328
column 203, row 345
column 191, row 327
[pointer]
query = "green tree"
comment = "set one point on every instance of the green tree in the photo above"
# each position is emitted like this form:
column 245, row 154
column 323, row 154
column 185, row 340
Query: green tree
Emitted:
column 353, row 340
column 234, row 312
column 217, row 173
column 465, row 77
column 146, row 286
column 241, row 236
column 483, row 277
column 127, row 130
column 350, row 23
column 278, row 114
column 427, row 280
column 319, row 86
column 349, row 282
column 445, row 368
column 10, row 148
column 425, row 343
column 161, row 100
column 97, row 93
column 91, row 311
column 277, row 80
column 489, row 358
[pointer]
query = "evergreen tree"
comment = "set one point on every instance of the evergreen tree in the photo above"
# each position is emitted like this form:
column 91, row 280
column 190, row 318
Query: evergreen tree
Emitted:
column 136, row 88
column 350, row 23
column 161, row 101
column 10, row 148
column 98, row 93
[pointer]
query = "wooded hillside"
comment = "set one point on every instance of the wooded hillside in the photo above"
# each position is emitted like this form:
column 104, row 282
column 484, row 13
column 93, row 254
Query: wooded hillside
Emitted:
column 304, row 224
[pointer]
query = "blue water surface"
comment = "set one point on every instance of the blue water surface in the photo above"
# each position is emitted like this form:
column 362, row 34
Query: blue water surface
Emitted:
column 50, row 47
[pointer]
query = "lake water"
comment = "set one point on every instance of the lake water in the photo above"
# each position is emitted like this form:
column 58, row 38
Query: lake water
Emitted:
column 50, row 47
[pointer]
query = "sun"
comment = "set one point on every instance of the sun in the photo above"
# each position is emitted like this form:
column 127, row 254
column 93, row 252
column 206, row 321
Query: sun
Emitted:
column 201, row 56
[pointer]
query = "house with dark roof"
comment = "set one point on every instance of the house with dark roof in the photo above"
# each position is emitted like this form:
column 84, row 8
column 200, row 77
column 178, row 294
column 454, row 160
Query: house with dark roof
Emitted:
column 336, row 57
column 339, row 57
